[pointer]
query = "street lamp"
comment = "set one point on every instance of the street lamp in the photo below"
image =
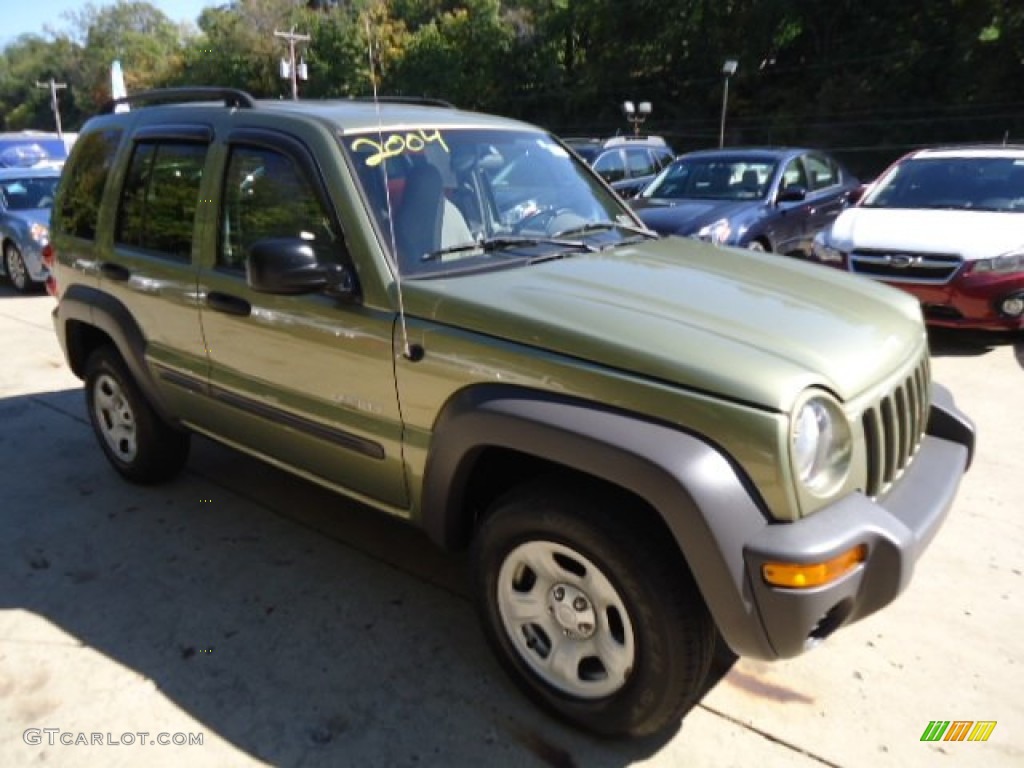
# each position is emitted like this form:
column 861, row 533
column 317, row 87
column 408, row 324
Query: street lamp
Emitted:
column 636, row 114
column 728, row 69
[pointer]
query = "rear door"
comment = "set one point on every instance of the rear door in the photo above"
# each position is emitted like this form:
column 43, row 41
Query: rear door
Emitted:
column 306, row 381
column 154, row 237
column 791, row 216
column 827, row 195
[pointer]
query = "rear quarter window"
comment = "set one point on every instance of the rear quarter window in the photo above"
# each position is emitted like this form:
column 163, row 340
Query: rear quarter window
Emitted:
column 82, row 183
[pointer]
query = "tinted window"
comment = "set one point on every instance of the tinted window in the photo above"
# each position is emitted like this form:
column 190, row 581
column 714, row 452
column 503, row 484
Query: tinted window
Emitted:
column 662, row 157
column 974, row 182
column 611, row 166
column 639, row 162
column 160, row 198
column 84, row 180
column 714, row 178
column 266, row 195
column 28, row 193
column 822, row 171
column 793, row 176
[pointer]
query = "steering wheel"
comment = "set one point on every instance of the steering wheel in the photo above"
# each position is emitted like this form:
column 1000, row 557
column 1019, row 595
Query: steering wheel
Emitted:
column 540, row 218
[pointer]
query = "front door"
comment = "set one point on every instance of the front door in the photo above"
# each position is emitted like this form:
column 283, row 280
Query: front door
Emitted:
column 306, row 381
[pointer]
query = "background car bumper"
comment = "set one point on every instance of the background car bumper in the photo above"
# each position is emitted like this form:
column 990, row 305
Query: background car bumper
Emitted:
column 970, row 301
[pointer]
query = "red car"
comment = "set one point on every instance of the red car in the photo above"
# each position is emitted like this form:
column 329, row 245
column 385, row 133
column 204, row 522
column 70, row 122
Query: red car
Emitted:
column 946, row 225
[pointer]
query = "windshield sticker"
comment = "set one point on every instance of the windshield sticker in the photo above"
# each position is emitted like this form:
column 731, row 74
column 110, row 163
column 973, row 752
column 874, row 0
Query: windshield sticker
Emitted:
column 399, row 143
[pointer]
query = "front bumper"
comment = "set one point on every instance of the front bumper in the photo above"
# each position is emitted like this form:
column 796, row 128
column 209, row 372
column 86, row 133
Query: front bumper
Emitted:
column 895, row 529
column 969, row 301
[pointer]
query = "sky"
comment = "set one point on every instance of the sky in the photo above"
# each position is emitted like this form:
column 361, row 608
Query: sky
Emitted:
column 18, row 17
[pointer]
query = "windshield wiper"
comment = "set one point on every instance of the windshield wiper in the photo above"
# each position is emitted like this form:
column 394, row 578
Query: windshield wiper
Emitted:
column 502, row 242
column 603, row 226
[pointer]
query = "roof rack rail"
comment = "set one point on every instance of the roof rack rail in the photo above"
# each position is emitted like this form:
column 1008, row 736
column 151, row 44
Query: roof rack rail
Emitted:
column 233, row 97
column 425, row 101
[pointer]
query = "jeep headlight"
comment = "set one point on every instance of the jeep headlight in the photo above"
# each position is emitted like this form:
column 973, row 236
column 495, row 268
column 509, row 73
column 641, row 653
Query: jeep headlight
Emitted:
column 820, row 445
column 717, row 232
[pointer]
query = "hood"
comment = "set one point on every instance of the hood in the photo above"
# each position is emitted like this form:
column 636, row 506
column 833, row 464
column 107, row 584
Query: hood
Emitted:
column 750, row 327
column 970, row 234
column 685, row 217
column 32, row 216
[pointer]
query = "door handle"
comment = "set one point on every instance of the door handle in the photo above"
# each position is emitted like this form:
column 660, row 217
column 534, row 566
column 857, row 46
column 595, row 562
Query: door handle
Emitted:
column 228, row 304
column 115, row 272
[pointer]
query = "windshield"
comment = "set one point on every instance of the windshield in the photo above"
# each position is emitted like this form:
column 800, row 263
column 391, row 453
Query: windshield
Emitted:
column 976, row 183
column 451, row 200
column 27, row 194
column 718, row 178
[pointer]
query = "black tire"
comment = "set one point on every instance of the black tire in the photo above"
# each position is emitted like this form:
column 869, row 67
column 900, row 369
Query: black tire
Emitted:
column 137, row 442
column 16, row 271
column 640, row 606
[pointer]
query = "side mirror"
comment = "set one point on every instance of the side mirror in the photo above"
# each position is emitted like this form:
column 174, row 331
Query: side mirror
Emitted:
column 791, row 195
column 289, row 266
column 856, row 194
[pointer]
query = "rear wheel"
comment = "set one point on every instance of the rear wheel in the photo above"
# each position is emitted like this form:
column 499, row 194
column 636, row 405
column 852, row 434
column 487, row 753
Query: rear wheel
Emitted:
column 141, row 446
column 757, row 245
column 17, row 272
column 593, row 618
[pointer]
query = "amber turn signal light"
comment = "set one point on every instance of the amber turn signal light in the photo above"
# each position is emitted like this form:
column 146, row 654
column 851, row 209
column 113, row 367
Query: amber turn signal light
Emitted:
column 804, row 575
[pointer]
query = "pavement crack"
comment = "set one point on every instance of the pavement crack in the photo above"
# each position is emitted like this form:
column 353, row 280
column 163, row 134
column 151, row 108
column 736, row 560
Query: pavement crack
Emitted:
column 74, row 416
column 770, row 737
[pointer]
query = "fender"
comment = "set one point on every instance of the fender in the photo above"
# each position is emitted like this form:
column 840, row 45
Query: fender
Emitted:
column 946, row 421
column 92, row 307
column 705, row 501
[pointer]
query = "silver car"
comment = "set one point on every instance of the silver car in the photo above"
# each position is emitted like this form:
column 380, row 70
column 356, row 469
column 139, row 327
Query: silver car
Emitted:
column 26, row 198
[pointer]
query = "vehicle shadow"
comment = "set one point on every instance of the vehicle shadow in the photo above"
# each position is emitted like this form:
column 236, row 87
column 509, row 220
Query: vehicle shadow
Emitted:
column 956, row 342
column 297, row 626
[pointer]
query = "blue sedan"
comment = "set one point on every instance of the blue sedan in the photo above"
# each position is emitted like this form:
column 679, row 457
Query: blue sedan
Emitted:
column 764, row 199
column 26, row 198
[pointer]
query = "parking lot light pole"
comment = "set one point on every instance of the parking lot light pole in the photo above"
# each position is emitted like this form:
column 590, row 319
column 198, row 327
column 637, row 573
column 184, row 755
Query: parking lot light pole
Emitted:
column 728, row 69
column 636, row 114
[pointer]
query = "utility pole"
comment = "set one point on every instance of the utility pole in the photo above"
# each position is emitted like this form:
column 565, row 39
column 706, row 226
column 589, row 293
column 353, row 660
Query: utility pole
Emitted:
column 293, row 71
column 54, row 87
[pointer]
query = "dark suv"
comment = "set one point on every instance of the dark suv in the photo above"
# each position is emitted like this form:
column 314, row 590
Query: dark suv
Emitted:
column 628, row 163
column 645, row 443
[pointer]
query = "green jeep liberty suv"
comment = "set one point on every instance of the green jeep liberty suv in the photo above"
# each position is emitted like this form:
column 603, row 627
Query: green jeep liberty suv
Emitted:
column 646, row 443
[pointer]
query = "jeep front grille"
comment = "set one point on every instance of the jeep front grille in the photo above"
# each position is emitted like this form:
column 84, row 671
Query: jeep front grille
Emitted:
column 893, row 428
column 905, row 266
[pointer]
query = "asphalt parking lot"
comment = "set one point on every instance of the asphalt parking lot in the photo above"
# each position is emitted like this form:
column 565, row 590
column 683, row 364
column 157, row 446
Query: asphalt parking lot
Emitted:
column 285, row 626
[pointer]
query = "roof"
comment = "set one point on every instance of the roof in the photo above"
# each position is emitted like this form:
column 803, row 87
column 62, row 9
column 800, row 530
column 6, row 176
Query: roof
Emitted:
column 616, row 141
column 359, row 116
column 747, row 152
column 347, row 115
column 1009, row 151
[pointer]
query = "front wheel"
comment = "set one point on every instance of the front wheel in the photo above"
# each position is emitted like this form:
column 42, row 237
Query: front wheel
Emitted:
column 17, row 272
column 592, row 616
